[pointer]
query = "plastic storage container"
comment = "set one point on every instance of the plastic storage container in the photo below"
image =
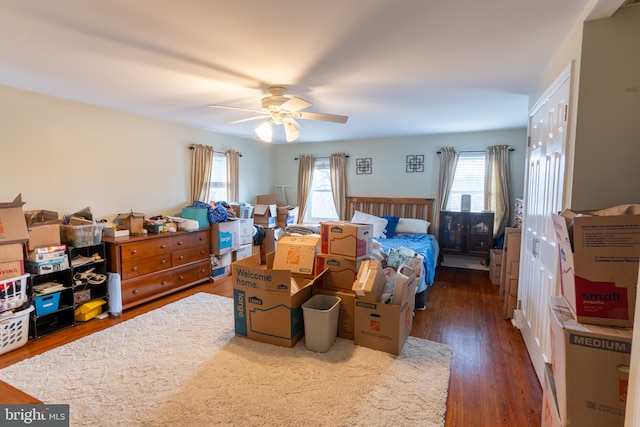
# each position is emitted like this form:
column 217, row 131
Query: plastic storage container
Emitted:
column 47, row 303
column 80, row 236
column 14, row 329
column 321, row 314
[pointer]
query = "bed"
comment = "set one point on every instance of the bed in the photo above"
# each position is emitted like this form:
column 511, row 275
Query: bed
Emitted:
column 423, row 242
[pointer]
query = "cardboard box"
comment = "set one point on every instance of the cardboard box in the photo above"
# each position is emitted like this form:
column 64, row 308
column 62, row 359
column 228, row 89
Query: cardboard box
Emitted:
column 342, row 272
column 510, row 254
column 287, row 215
column 246, row 231
column 265, row 211
column 599, row 266
column 269, row 242
column 346, row 239
column 243, row 252
column 495, row 265
column 221, row 272
column 218, row 261
column 225, row 237
column 385, row 327
column 266, row 310
column 46, row 253
column 591, row 368
column 370, row 281
column 243, row 211
column 11, row 260
column 132, row 221
column 13, row 228
column 550, row 412
column 43, row 227
column 296, row 253
column 347, row 316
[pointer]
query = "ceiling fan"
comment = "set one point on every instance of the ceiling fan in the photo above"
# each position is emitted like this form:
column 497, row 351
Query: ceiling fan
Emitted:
column 283, row 110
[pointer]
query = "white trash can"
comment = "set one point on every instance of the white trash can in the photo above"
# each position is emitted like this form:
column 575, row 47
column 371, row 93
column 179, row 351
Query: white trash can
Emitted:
column 321, row 314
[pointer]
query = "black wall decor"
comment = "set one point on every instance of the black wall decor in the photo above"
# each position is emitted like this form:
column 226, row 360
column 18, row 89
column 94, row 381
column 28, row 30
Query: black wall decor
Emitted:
column 364, row 166
column 415, row 163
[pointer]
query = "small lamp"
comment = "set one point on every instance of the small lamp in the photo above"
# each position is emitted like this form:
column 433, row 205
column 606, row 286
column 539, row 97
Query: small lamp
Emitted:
column 265, row 132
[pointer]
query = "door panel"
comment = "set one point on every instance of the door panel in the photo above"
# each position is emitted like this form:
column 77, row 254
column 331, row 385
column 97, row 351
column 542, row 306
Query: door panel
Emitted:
column 538, row 277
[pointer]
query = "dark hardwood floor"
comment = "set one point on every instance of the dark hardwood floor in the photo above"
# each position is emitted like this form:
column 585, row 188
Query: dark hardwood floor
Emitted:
column 492, row 380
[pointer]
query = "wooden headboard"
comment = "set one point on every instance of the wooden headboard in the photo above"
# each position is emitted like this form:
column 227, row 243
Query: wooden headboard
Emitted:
column 404, row 207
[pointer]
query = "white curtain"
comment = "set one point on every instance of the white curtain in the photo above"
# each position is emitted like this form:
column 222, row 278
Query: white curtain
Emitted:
column 448, row 162
column 201, row 161
column 233, row 175
column 338, row 170
column 305, row 177
column 498, row 186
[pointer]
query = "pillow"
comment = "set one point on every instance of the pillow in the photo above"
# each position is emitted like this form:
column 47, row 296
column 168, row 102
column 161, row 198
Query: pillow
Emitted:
column 412, row 226
column 390, row 229
column 378, row 223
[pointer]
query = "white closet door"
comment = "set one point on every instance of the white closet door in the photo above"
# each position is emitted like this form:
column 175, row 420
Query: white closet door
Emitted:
column 538, row 278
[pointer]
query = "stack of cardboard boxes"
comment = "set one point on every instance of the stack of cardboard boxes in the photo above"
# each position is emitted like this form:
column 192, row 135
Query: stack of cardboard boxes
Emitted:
column 268, row 298
column 591, row 323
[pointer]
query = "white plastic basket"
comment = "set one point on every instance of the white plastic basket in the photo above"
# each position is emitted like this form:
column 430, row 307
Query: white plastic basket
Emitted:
column 13, row 292
column 14, row 329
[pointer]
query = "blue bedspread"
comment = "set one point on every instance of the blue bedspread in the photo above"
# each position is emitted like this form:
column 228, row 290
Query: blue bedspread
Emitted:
column 425, row 245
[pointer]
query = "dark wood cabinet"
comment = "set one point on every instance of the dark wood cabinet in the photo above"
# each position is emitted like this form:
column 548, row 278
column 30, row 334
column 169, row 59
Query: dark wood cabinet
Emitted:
column 466, row 233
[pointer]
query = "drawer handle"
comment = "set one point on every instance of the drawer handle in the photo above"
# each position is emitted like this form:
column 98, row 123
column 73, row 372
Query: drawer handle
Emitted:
column 164, row 261
column 202, row 252
column 180, row 243
column 133, row 252
column 181, row 277
column 201, row 238
column 135, row 291
column 181, row 257
column 163, row 246
column 164, row 282
column 134, row 269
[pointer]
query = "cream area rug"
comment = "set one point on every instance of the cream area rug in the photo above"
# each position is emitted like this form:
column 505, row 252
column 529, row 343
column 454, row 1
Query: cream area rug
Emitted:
column 181, row 365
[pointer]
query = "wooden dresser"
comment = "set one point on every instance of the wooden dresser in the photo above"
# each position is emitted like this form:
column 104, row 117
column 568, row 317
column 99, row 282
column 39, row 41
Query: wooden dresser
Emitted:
column 158, row 264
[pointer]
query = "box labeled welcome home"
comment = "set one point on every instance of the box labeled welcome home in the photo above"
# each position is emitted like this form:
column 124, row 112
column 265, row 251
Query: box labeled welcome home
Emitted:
column 385, row 327
column 266, row 308
column 591, row 369
column 599, row 264
column 225, row 237
column 346, row 239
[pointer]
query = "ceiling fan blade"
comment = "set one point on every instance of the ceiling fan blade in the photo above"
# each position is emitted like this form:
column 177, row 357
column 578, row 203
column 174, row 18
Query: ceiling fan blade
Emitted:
column 235, row 108
column 321, row 116
column 295, row 104
column 292, row 121
column 249, row 119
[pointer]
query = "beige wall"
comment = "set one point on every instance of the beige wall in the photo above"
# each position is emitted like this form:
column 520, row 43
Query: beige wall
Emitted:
column 388, row 155
column 65, row 156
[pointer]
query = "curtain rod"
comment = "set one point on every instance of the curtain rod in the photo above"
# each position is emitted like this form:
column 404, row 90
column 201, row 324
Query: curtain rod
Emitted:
column 191, row 147
column 318, row 157
column 474, row 151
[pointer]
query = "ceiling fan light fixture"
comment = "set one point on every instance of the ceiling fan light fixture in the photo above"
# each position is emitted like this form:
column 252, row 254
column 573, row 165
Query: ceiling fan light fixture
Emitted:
column 265, row 132
column 292, row 133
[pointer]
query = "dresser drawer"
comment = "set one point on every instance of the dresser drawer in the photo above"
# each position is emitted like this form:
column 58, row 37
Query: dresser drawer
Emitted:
column 189, row 255
column 138, row 267
column 150, row 287
column 189, row 240
column 145, row 248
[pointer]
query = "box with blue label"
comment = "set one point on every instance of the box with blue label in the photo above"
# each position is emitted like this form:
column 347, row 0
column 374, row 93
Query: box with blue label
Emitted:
column 225, row 237
column 268, row 302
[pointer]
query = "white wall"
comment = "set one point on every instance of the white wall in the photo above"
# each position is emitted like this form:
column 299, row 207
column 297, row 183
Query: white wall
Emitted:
column 389, row 177
column 65, row 156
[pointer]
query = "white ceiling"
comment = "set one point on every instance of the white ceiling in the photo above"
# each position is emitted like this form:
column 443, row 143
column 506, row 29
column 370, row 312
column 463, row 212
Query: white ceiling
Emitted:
column 395, row 67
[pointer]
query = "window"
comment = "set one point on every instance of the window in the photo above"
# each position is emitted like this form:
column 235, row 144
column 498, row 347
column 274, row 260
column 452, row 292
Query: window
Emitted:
column 468, row 179
column 218, row 187
column 320, row 206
